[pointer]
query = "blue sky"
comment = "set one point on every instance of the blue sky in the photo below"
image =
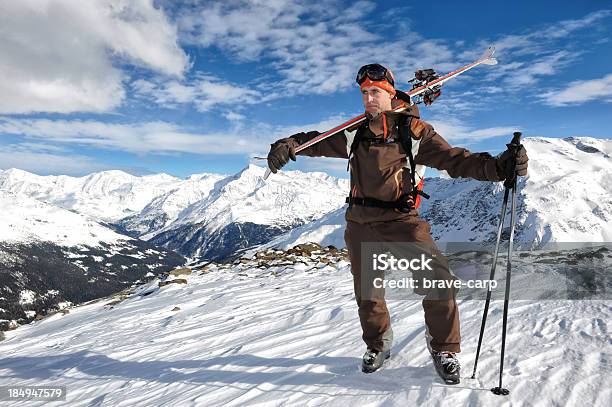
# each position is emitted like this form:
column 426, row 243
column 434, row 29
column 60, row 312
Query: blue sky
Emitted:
column 191, row 87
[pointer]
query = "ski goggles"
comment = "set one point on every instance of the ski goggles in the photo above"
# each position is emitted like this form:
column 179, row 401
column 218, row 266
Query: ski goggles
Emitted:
column 375, row 72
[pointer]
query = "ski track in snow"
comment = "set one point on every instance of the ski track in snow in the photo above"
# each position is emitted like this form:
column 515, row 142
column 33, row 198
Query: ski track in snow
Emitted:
column 248, row 337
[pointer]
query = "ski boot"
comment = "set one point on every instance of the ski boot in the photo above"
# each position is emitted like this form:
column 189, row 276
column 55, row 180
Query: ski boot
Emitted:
column 447, row 366
column 372, row 359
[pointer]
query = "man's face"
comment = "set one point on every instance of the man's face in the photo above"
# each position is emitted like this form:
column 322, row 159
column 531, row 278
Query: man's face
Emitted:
column 376, row 100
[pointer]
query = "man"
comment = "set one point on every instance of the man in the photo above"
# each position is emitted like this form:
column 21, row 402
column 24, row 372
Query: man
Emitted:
column 386, row 174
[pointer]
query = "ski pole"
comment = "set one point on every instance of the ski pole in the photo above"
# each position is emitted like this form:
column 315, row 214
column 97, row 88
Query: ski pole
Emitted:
column 500, row 227
column 509, row 183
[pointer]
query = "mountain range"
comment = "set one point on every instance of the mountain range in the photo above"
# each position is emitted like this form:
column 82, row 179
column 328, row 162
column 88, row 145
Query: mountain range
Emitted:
column 111, row 229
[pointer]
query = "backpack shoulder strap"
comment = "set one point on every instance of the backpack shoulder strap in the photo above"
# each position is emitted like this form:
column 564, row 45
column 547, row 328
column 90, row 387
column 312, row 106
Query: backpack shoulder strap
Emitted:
column 356, row 140
column 406, row 136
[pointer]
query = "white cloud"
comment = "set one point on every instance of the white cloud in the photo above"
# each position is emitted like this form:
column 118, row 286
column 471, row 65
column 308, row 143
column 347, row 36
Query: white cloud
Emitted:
column 43, row 160
column 54, row 136
column 233, row 116
column 528, row 57
column 140, row 138
column 203, row 93
column 456, row 131
column 336, row 166
column 63, row 56
column 547, row 65
column 579, row 92
column 315, row 47
column 535, row 41
column 47, row 146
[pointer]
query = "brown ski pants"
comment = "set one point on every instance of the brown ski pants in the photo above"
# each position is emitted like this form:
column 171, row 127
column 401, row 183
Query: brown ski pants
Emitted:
column 441, row 315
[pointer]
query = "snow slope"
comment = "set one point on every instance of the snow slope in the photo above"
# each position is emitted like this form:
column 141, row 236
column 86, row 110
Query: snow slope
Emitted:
column 326, row 231
column 55, row 255
column 291, row 336
column 24, row 219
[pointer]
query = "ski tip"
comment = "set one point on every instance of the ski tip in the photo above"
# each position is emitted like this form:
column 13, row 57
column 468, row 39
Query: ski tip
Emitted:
column 490, row 61
column 488, row 54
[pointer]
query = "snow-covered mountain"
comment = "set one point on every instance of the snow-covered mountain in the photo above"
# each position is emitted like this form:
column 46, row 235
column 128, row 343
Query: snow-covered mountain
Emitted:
column 566, row 197
column 206, row 215
column 24, row 220
column 50, row 256
column 166, row 208
column 244, row 210
column 107, row 196
column 285, row 331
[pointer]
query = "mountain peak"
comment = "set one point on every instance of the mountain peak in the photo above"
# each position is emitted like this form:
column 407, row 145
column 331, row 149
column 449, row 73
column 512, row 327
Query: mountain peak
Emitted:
column 252, row 169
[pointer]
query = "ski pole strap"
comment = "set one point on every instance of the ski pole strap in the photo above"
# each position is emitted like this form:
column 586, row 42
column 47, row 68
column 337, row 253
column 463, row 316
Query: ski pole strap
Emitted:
column 404, row 203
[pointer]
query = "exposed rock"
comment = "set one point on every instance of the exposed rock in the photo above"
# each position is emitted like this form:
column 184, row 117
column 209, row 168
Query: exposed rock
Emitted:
column 175, row 281
column 185, row 271
column 176, row 309
column 308, row 247
column 118, row 299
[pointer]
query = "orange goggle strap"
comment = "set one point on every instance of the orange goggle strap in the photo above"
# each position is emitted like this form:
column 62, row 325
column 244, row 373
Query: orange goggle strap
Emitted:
column 380, row 84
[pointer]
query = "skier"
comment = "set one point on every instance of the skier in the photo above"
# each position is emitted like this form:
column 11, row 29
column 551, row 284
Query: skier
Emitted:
column 387, row 157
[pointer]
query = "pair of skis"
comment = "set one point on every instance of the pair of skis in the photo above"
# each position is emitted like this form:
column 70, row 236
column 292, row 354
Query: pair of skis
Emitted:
column 430, row 88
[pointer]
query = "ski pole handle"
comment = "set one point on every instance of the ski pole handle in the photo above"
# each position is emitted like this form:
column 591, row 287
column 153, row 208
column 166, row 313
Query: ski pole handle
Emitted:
column 514, row 147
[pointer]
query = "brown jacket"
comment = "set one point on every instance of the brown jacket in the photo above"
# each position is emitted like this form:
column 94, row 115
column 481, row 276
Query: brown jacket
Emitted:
column 379, row 170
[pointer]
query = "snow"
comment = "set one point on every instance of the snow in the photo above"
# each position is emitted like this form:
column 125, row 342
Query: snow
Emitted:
column 285, row 199
column 571, row 197
column 293, row 338
column 106, row 195
column 26, row 297
column 168, row 206
column 30, row 314
column 328, row 230
column 24, row 219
